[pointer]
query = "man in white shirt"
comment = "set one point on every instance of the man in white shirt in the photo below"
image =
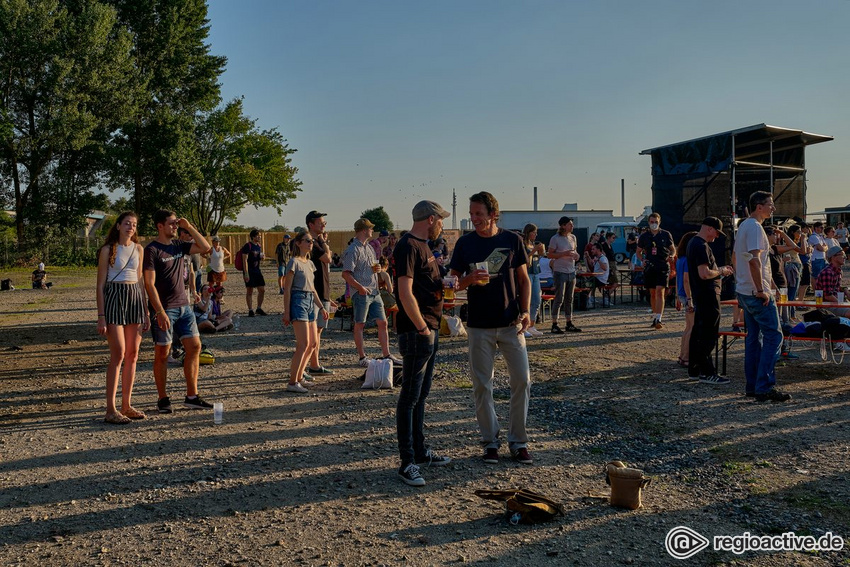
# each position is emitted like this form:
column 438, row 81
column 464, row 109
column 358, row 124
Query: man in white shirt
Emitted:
column 841, row 234
column 753, row 279
column 817, row 241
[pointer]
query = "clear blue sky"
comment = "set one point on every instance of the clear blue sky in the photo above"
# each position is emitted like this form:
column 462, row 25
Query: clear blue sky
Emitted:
column 390, row 102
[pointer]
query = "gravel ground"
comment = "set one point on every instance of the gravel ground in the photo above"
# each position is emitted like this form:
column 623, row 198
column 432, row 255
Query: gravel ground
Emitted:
column 310, row 479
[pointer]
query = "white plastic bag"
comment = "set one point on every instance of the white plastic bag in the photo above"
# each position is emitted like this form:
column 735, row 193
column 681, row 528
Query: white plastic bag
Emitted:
column 379, row 374
column 456, row 328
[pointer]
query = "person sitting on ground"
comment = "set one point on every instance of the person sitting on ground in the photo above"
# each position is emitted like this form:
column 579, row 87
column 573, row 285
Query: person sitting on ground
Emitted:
column 38, row 278
column 205, row 317
column 336, row 260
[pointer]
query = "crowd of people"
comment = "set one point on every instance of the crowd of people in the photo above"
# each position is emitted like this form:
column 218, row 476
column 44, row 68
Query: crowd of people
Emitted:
column 156, row 288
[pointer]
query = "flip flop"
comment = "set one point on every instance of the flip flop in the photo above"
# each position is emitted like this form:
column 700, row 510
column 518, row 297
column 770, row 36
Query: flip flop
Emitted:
column 133, row 413
column 116, row 418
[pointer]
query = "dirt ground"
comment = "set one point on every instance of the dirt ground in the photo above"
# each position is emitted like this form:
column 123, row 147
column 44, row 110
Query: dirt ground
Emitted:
column 292, row 479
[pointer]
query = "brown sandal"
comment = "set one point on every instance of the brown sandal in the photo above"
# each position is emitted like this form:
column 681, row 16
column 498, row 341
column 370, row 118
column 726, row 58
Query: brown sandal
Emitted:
column 133, row 413
column 116, row 418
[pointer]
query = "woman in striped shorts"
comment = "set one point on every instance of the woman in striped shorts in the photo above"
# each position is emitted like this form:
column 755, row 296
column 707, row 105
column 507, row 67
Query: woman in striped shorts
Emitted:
column 121, row 313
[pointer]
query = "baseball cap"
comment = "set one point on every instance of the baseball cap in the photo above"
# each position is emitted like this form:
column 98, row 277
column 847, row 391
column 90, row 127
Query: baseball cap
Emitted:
column 313, row 215
column 286, row 236
column 714, row 223
column 564, row 220
column 363, row 223
column 833, row 251
column 424, row 209
column 385, row 233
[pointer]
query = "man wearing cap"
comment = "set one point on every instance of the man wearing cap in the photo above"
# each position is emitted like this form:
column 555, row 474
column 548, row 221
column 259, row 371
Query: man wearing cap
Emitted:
column 829, row 280
column 752, row 284
column 321, row 256
column 819, row 248
column 562, row 254
column 379, row 243
column 419, row 295
column 359, row 270
column 492, row 265
column 705, row 278
column 655, row 249
column 283, row 252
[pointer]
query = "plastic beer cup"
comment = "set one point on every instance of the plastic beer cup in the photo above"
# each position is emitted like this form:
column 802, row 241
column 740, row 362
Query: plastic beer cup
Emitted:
column 783, row 294
column 819, row 296
column 218, row 413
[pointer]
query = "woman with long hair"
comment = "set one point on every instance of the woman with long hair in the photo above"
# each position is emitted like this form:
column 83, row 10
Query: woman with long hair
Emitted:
column 121, row 313
column 683, row 296
column 535, row 250
column 300, row 301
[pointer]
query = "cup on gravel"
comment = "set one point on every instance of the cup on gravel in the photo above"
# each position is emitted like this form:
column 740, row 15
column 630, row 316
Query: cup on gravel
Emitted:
column 218, row 413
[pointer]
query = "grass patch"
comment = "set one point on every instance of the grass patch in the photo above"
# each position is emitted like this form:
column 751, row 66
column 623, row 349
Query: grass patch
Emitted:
column 731, row 468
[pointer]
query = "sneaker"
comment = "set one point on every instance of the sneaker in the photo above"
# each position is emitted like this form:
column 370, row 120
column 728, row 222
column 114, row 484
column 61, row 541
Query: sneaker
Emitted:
column 572, row 328
column 297, row 388
column 789, row 356
column 261, row 312
column 773, row 395
column 841, row 347
column 491, row 456
column 319, row 370
column 307, row 378
column 196, row 403
column 364, row 361
column 396, row 361
column 431, row 459
column 163, row 405
column 250, row 313
column 527, row 334
column 522, row 456
column 714, row 379
column 535, row 332
column 282, row 291
column 410, row 475
column 174, row 361
column 657, row 325
column 557, row 330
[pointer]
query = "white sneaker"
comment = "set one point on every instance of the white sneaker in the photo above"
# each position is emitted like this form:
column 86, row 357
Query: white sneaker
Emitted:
column 364, row 362
column 297, row 388
column 527, row 334
column 535, row 332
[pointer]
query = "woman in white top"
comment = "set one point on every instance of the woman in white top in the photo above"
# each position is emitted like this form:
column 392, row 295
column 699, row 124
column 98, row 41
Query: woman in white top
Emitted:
column 300, row 301
column 217, row 255
column 121, row 313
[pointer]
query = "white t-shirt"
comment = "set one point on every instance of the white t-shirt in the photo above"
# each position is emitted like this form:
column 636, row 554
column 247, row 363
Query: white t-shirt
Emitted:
column 545, row 270
column 563, row 243
column 830, row 242
column 815, row 239
column 751, row 236
column 841, row 235
column 602, row 265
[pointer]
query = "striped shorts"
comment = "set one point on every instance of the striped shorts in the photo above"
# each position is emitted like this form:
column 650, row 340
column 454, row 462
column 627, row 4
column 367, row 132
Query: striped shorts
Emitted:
column 124, row 303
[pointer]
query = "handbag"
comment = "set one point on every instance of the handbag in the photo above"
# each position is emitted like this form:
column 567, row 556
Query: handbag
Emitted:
column 524, row 506
column 379, row 374
column 626, row 485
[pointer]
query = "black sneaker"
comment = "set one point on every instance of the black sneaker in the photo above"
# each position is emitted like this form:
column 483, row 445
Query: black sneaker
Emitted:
column 163, row 405
column 261, row 312
column 572, row 328
column 196, row 403
column 432, row 459
column 557, row 330
column 491, row 456
column 714, row 379
column 522, row 456
column 773, row 395
column 410, row 475
column 250, row 313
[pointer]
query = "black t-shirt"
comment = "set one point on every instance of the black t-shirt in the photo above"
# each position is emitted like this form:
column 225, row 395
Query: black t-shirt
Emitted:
column 608, row 251
column 322, row 273
column 251, row 256
column 168, row 263
column 656, row 246
column 777, row 267
column 699, row 253
column 282, row 252
column 413, row 258
column 496, row 304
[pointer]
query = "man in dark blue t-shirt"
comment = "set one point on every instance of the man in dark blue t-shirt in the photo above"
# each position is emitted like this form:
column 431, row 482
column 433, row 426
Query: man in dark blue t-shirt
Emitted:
column 655, row 249
column 252, row 256
column 492, row 265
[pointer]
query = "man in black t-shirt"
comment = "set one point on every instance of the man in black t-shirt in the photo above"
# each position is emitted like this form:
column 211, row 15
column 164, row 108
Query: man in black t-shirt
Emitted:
column 492, row 265
column 656, row 249
column 321, row 256
column 705, row 278
column 419, row 295
column 252, row 257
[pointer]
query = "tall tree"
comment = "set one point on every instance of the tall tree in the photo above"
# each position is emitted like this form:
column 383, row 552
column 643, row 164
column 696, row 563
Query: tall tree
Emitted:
column 379, row 217
column 64, row 70
column 154, row 155
column 240, row 165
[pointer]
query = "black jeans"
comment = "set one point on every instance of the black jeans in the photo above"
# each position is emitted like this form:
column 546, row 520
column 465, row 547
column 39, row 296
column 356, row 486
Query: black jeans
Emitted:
column 704, row 336
column 418, row 353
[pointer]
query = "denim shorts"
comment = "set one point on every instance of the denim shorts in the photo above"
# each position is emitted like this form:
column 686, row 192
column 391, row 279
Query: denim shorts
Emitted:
column 183, row 326
column 369, row 307
column 301, row 306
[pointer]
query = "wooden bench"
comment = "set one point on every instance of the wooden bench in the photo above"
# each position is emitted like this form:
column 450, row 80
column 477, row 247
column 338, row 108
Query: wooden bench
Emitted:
column 731, row 337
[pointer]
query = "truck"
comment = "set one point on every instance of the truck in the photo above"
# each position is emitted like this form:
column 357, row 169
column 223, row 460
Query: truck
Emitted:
column 621, row 230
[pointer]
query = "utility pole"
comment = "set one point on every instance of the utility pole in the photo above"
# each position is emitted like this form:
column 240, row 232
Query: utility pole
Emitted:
column 454, row 209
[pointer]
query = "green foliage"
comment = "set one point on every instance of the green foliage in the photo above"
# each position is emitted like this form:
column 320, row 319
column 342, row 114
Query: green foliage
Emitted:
column 379, row 217
column 278, row 228
column 240, row 165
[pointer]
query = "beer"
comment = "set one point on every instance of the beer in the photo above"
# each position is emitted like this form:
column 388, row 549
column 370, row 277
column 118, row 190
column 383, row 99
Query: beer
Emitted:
column 819, row 296
column 449, row 285
column 783, row 294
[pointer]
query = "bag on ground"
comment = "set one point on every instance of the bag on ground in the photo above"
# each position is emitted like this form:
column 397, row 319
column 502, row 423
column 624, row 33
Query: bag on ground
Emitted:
column 379, row 374
column 206, row 357
column 524, row 506
column 454, row 325
column 626, row 485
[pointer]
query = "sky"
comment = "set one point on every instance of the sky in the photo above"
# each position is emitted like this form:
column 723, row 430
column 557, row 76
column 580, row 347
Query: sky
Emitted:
column 391, row 102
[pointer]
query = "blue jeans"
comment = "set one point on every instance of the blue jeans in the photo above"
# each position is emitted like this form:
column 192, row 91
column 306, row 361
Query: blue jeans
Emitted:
column 761, row 352
column 536, row 296
column 418, row 353
column 817, row 267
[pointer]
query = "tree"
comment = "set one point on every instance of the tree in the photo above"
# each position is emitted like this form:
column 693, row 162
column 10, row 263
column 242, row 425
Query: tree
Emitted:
column 379, row 218
column 154, row 155
column 239, row 165
column 65, row 83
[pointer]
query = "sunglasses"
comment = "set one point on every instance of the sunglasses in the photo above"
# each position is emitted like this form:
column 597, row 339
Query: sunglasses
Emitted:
column 308, row 240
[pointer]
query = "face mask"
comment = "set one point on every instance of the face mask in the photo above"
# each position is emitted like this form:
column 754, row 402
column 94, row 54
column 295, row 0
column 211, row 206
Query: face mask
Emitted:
column 654, row 226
